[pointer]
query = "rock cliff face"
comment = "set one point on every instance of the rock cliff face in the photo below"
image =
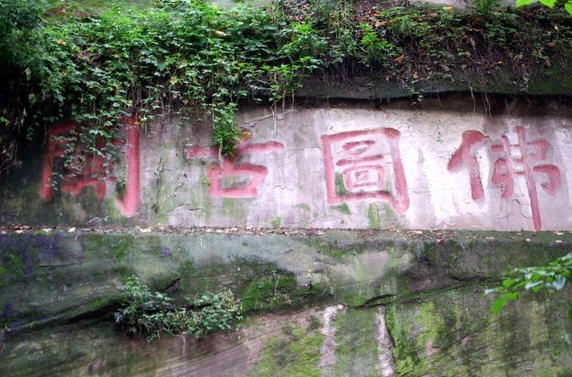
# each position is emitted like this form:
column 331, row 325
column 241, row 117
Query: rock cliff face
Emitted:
column 346, row 303
column 319, row 301
column 358, row 229
column 450, row 163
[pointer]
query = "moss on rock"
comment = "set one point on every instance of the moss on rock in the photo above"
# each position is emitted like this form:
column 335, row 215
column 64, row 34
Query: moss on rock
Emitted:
column 293, row 353
column 453, row 333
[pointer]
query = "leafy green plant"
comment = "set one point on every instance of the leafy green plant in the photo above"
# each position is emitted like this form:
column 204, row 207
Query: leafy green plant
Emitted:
column 303, row 41
column 17, row 18
column 180, row 57
column 549, row 3
column 226, row 133
column 376, row 48
column 20, row 25
column 153, row 313
column 486, row 7
column 193, row 60
column 552, row 276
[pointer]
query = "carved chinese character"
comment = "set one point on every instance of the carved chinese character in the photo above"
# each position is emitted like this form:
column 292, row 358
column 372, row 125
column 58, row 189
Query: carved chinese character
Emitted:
column 89, row 169
column 84, row 170
column 129, row 205
column 363, row 165
column 233, row 179
column 521, row 159
column 466, row 155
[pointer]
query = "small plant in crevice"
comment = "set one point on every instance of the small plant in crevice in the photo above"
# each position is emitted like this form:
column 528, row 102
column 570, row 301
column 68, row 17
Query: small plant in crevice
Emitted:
column 153, row 314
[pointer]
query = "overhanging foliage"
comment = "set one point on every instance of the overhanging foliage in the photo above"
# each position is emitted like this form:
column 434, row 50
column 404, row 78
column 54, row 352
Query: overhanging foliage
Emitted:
column 187, row 58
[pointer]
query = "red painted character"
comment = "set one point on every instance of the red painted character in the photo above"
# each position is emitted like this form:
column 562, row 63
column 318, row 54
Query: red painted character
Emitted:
column 85, row 169
column 356, row 165
column 89, row 170
column 230, row 168
column 466, row 155
column 523, row 159
column 129, row 205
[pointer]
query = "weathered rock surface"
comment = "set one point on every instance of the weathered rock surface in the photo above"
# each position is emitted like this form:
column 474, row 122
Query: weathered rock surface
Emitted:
column 454, row 334
column 59, row 289
column 463, row 163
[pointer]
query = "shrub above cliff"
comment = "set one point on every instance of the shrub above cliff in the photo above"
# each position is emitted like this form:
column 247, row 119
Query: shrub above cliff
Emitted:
column 187, row 58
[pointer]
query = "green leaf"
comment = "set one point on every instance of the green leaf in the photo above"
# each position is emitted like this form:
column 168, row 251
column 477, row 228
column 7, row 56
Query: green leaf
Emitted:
column 536, row 288
column 568, row 7
column 509, row 282
column 548, row 3
column 532, row 284
column 512, row 296
column 498, row 304
column 520, row 3
column 501, row 301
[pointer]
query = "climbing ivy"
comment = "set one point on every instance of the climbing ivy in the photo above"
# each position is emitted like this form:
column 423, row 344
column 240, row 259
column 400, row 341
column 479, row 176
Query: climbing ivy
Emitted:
column 180, row 57
column 190, row 59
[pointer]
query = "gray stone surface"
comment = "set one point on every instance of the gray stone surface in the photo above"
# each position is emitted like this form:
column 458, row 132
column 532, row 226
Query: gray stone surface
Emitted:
column 59, row 289
column 340, row 165
column 60, row 276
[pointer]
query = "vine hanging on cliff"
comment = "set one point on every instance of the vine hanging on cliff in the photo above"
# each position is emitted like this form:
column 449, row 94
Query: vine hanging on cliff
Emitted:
column 190, row 59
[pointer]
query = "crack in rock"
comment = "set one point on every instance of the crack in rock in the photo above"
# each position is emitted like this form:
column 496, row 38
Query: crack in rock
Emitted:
column 385, row 346
column 328, row 350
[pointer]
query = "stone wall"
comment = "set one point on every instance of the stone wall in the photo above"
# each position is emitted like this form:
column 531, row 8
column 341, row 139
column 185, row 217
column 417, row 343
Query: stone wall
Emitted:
column 349, row 303
column 449, row 164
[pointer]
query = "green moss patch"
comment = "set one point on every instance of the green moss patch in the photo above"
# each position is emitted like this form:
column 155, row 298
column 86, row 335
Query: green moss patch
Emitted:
column 342, row 208
column 373, row 216
column 454, row 333
column 293, row 353
column 357, row 352
column 277, row 291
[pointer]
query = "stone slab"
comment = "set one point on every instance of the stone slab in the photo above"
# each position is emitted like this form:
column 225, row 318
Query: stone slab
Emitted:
column 451, row 163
